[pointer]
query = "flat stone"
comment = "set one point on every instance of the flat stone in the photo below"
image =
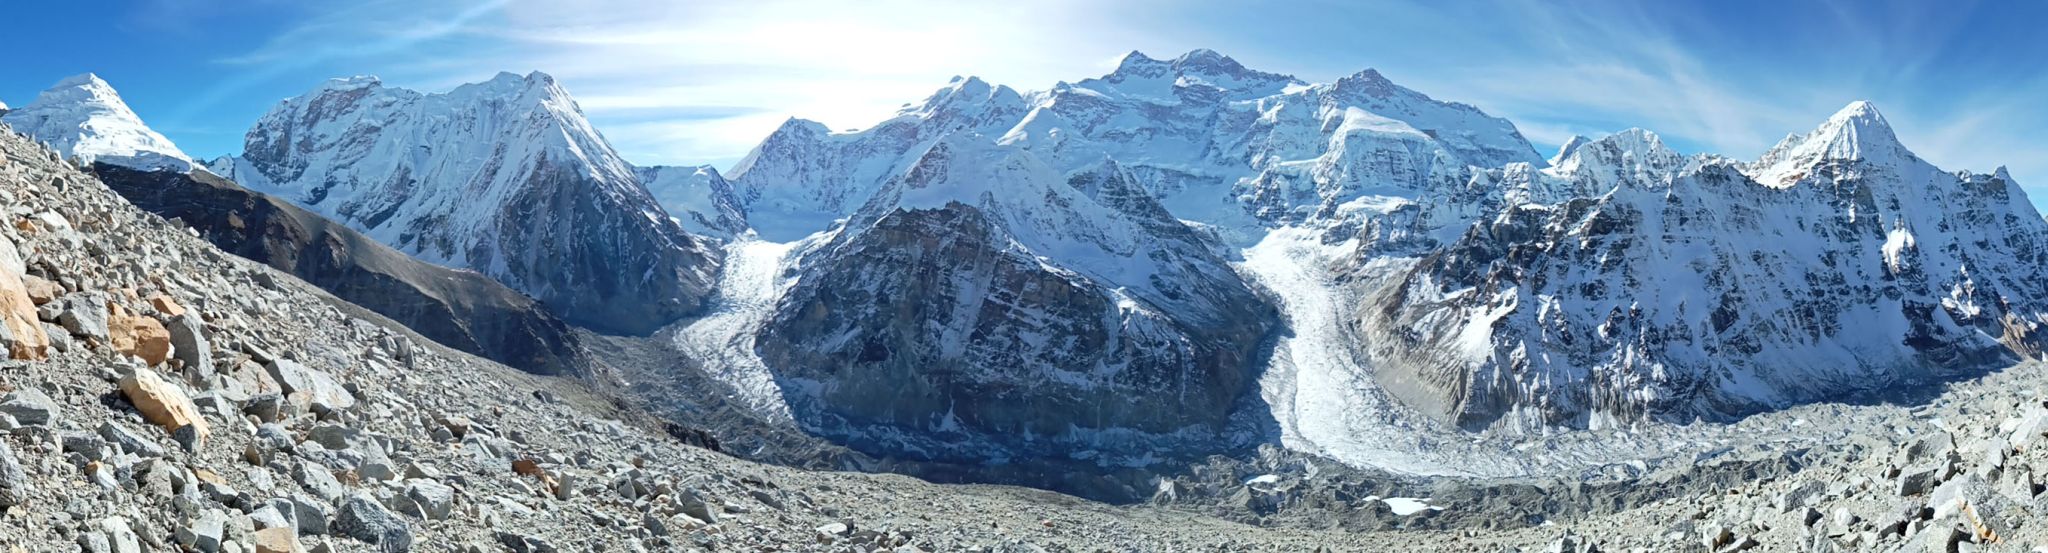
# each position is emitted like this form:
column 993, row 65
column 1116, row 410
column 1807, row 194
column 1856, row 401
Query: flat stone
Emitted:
column 1916, row 480
column 30, row 407
column 129, row 441
column 322, row 391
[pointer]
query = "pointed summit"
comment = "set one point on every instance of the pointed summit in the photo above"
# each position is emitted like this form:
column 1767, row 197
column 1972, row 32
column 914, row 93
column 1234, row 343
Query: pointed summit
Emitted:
column 1856, row 133
column 83, row 118
column 1570, row 145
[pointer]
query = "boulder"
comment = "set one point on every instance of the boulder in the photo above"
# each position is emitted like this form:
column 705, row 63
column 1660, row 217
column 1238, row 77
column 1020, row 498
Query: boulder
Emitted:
column 85, row 315
column 436, row 500
column 321, row 391
column 362, row 518
column 21, row 331
column 29, row 407
column 138, row 336
column 205, row 533
column 164, row 405
column 188, row 342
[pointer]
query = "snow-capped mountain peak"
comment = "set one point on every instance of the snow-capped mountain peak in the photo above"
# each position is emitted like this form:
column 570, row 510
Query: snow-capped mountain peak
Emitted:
column 458, row 178
column 1139, row 75
column 1856, row 133
column 86, row 120
column 1634, row 154
column 1570, row 145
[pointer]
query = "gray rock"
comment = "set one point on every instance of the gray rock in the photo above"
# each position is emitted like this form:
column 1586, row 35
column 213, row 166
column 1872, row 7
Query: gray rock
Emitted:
column 317, row 480
column 92, row 447
column 188, row 342
column 1799, row 494
column 14, row 484
column 30, row 407
column 1971, row 503
column 360, row 516
column 697, row 507
column 1917, row 480
column 130, row 441
column 85, row 315
column 332, row 436
column 267, row 408
column 322, row 390
column 524, row 544
column 205, row 532
column 120, row 536
column 654, row 524
column 309, row 514
column 436, row 500
column 2032, row 426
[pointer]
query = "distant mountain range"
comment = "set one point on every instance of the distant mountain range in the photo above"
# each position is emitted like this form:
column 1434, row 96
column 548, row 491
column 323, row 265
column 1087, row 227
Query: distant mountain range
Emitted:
column 1179, row 257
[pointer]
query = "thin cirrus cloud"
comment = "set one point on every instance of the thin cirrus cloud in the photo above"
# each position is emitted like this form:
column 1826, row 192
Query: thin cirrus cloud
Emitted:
column 701, row 82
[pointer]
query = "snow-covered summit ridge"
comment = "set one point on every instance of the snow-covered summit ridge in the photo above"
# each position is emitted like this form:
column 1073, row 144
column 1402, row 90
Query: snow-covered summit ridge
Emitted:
column 1856, row 133
column 1216, row 142
column 85, row 119
column 457, row 178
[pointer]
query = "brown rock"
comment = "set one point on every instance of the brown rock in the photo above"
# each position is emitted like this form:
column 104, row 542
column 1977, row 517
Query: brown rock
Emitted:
column 138, row 336
column 42, row 290
column 162, row 403
column 277, row 540
column 164, row 304
column 21, row 333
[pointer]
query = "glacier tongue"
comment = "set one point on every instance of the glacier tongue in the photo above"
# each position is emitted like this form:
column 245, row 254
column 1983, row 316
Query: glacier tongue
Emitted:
column 83, row 118
column 723, row 339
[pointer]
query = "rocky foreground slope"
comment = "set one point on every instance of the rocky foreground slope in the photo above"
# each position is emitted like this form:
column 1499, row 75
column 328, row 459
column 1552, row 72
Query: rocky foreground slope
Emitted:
column 459, row 309
column 162, row 395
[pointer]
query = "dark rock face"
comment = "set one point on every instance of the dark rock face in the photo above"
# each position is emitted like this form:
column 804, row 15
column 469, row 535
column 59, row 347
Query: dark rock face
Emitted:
column 460, row 309
column 942, row 323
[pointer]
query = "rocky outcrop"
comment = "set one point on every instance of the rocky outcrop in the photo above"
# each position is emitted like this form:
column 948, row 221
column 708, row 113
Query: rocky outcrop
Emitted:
column 981, row 298
column 461, row 309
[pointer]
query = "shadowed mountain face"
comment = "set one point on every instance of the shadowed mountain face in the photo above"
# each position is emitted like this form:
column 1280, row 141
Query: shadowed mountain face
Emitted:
column 460, row 309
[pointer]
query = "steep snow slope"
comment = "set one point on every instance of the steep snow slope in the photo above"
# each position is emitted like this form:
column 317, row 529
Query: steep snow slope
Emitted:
column 1218, row 143
column 84, row 119
column 505, row 177
column 1838, row 262
column 700, row 199
column 982, row 298
column 803, row 176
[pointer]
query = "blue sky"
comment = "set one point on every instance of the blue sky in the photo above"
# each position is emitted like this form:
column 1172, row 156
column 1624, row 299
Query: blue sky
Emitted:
column 700, row 82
